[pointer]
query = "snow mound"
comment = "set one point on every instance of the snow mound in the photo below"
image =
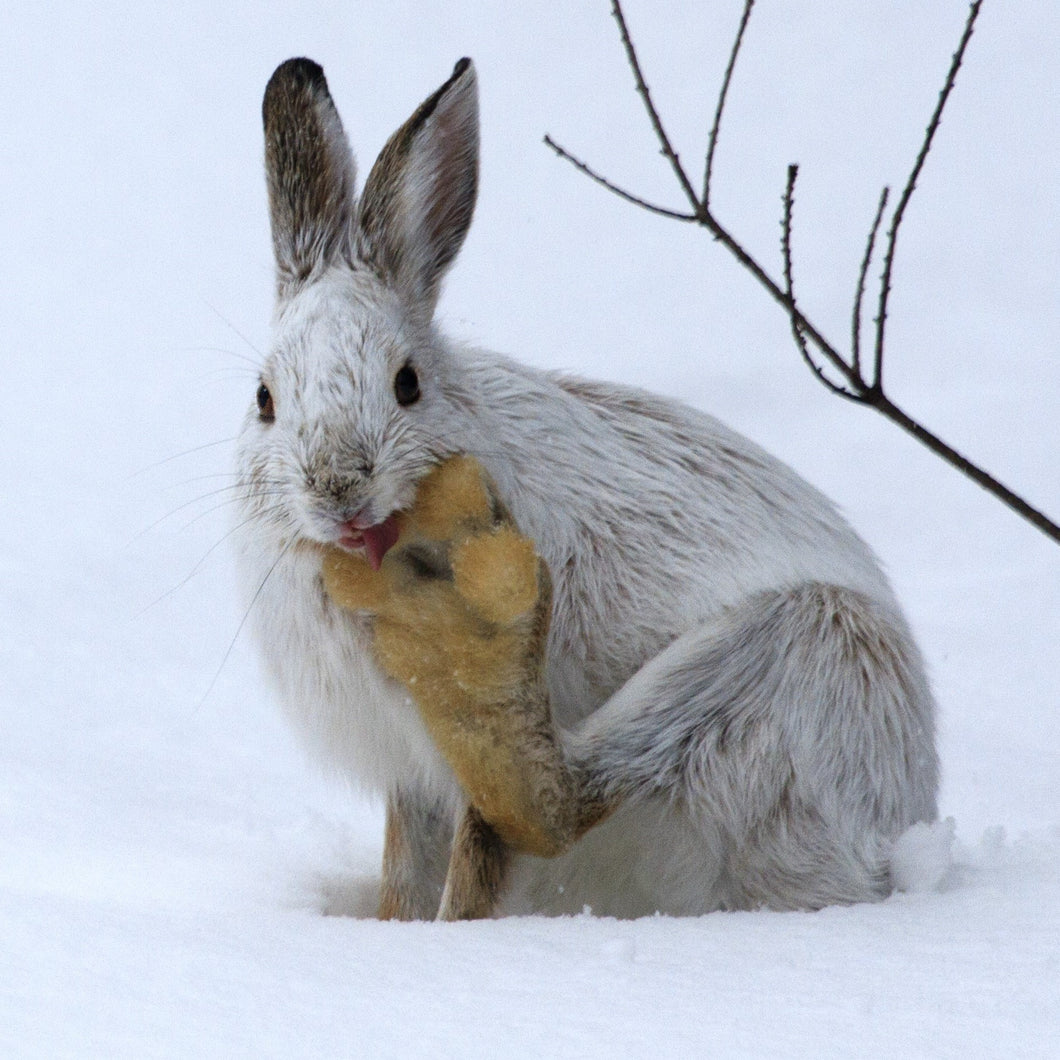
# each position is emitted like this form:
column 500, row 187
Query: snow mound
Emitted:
column 922, row 858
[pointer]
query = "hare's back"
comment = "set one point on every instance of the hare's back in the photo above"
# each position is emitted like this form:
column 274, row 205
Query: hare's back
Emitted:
column 653, row 517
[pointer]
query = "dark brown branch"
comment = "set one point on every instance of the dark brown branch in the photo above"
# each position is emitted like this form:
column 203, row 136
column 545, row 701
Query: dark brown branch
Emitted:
column 789, row 290
column 703, row 214
column 614, row 188
column 855, row 328
column 910, row 186
column 1012, row 500
column 715, row 127
column 806, row 334
column 653, row 114
column 776, row 292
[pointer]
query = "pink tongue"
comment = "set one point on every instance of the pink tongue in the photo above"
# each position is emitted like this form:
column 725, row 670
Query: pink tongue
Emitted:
column 380, row 539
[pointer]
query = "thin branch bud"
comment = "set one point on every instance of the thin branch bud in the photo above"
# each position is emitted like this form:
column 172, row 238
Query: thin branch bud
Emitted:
column 789, row 290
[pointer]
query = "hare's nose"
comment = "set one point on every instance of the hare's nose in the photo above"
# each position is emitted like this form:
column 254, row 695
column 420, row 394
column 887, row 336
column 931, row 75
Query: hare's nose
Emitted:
column 338, row 482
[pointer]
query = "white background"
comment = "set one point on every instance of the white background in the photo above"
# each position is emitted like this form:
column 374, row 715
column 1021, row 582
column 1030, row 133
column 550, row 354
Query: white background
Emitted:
column 166, row 853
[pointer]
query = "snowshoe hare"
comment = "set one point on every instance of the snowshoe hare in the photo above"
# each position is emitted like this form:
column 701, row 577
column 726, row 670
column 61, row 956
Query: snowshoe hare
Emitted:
column 593, row 648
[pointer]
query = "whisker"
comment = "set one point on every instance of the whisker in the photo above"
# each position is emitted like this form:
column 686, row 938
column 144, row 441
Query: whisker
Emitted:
column 230, row 371
column 228, row 323
column 243, row 621
column 199, row 478
column 178, row 456
column 266, row 490
column 182, row 507
column 232, row 500
column 202, row 560
column 251, row 361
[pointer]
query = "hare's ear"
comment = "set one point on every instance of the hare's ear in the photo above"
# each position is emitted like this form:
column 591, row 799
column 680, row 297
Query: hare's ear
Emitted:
column 310, row 174
column 420, row 194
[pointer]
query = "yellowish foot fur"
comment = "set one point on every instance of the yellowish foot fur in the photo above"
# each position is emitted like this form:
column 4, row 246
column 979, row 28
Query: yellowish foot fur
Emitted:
column 498, row 575
column 462, row 604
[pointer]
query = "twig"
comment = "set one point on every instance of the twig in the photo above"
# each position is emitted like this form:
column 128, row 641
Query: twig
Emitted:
column 855, row 328
column 1012, row 500
column 789, row 288
column 910, row 187
column 715, row 127
column 620, row 192
column 653, row 114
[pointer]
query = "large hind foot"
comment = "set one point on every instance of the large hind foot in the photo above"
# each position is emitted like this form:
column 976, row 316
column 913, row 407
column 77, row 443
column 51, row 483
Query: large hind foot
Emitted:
column 462, row 604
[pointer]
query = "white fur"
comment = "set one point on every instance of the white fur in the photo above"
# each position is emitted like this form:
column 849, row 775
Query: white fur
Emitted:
column 725, row 653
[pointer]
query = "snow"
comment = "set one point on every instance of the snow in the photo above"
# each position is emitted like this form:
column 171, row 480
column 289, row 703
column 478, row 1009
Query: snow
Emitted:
column 167, row 853
column 922, row 858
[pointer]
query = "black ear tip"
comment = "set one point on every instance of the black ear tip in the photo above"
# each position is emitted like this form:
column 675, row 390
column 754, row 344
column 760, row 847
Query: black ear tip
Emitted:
column 461, row 66
column 298, row 73
column 292, row 80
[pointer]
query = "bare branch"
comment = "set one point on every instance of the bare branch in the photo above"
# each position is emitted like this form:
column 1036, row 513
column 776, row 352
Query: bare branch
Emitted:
column 910, row 186
column 653, row 114
column 805, row 332
column 712, row 143
column 614, row 188
column 789, row 290
column 855, row 328
column 1012, row 500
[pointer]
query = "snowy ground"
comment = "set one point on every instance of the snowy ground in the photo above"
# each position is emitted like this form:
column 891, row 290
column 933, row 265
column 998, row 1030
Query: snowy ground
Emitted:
column 166, row 853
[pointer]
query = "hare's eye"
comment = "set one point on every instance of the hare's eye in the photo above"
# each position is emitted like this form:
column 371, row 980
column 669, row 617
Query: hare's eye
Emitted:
column 266, row 409
column 407, row 386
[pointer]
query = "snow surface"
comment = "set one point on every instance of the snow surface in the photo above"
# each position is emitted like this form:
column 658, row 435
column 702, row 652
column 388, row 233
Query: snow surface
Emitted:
column 166, row 853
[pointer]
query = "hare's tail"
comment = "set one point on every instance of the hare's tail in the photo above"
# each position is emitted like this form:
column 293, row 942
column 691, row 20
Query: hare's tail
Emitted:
column 798, row 727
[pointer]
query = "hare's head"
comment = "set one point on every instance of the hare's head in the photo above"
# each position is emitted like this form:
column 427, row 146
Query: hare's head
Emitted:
column 352, row 405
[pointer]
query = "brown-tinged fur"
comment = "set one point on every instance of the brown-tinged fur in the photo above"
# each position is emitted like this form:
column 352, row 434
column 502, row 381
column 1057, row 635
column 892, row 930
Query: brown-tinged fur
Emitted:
column 309, row 171
column 477, row 870
column 462, row 605
column 383, row 241
column 415, row 852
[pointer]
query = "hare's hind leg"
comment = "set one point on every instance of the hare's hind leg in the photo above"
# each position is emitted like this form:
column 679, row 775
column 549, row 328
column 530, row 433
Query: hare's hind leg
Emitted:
column 798, row 727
